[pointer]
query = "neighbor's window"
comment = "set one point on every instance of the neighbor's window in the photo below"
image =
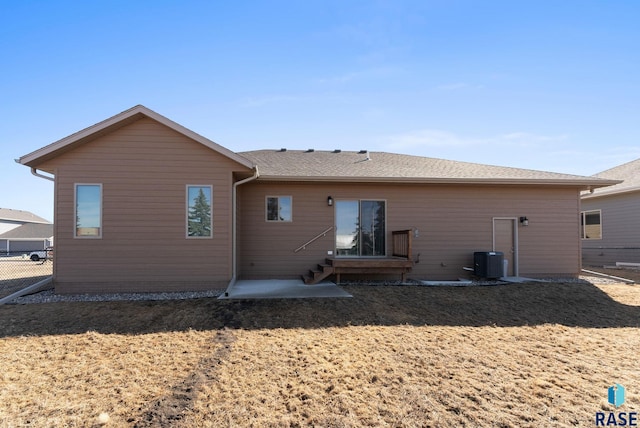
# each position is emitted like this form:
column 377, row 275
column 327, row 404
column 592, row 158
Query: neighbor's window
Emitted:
column 591, row 224
column 199, row 218
column 88, row 210
column 279, row 208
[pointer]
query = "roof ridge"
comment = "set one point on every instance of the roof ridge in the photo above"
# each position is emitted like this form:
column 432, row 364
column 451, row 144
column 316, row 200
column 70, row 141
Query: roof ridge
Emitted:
column 621, row 166
column 21, row 216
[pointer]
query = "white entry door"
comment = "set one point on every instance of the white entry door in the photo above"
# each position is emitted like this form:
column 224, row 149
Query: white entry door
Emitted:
column 505, row 240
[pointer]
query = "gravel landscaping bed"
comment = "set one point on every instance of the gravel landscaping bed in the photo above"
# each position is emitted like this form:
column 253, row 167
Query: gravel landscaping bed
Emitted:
column 48, row 296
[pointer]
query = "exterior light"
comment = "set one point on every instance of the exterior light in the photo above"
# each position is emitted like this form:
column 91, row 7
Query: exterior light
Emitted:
column 330, row 201
column 524, row 221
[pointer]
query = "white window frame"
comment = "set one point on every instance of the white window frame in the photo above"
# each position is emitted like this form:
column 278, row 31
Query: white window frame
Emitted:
column 266, row 208
column 583, row 225
column 75, row 211
column 186, row 214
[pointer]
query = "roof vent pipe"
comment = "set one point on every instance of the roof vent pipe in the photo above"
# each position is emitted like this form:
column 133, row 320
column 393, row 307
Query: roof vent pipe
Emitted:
column 365, row 152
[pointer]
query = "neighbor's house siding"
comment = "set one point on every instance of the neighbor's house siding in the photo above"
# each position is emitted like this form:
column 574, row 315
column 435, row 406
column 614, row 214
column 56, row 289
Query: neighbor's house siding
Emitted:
column 453, row 222
column 144, row 168
column 620, row 230
column 23, row 245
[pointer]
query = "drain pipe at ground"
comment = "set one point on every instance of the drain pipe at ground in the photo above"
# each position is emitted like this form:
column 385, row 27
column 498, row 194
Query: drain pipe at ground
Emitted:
column 27, row 290
column 234, row 228
column 617, row 278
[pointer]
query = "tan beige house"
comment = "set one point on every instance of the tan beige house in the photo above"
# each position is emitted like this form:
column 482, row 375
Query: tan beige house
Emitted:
column 144, row 204
column 610, row 229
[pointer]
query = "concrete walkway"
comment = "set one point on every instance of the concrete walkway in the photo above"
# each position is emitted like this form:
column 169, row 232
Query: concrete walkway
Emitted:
column 467, row 283
column 282, row 289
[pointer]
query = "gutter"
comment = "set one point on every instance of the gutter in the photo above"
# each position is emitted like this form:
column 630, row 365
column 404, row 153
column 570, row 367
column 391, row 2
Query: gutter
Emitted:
column 609, row 192
column 234, row 227
column 585, row 184
column 35, row 172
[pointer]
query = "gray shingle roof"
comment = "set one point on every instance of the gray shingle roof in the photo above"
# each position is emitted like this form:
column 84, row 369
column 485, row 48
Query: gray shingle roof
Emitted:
column 389, row 167
column 20, row 216
column 629, row 172
column 29, row 231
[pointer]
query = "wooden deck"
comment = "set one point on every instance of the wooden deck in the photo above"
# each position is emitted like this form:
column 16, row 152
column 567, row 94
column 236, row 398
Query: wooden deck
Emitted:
column 400, row 263
column 339, row 266
column 395, row 265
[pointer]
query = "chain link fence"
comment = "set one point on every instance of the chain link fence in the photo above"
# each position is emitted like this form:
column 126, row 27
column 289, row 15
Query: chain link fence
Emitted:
column 21, row 269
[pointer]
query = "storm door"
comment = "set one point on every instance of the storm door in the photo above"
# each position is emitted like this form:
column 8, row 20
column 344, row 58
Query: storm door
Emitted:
column 360, row 228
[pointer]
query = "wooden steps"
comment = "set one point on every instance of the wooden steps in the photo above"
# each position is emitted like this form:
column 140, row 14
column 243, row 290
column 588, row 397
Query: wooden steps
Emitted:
column 314, row 276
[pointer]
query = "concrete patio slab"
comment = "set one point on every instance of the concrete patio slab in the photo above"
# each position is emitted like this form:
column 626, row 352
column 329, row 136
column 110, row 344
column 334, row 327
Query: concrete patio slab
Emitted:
column 282, row 289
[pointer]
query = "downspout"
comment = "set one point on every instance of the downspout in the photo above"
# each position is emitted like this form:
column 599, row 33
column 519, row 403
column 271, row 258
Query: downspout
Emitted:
column 234, row 227
column 47, row 280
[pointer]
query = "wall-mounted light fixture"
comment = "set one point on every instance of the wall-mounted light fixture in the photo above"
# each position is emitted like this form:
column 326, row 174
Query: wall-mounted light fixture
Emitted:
column 524, row 221
column 330, row 201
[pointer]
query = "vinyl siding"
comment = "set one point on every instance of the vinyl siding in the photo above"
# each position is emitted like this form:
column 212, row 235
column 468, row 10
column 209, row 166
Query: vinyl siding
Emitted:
column 453, row 222
column 620, row 230
column 144, row 169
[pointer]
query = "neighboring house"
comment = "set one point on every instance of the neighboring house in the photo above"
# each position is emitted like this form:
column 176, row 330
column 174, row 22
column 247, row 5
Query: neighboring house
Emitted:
column 22, row 231
column 144, row 204
column 609, row 217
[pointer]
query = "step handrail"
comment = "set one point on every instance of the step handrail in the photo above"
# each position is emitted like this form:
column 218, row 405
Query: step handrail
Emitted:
column 320, row 235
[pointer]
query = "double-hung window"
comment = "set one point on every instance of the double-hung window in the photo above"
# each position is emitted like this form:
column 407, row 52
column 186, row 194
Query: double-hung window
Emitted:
column 591, row 224
column 88, row 211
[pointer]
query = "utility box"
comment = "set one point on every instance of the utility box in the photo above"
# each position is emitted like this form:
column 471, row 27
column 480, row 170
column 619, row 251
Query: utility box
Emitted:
column 488, row 264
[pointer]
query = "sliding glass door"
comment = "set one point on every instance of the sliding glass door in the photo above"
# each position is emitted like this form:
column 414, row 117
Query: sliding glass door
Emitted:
column 360, row 228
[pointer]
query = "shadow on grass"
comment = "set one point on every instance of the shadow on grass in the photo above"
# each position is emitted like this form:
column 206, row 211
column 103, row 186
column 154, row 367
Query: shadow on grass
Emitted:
column 579, row 305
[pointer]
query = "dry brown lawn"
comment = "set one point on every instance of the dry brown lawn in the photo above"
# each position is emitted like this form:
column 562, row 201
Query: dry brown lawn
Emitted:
column 524, row 355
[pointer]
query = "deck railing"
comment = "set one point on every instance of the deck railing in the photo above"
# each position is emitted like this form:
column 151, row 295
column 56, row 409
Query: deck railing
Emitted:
column 402, row 243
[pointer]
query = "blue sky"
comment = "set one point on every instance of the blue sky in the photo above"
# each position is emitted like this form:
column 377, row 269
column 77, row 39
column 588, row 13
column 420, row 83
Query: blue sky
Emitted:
column 549, row 85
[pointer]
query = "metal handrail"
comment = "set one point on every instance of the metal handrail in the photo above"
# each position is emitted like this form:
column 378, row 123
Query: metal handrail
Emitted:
column 320, row 235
